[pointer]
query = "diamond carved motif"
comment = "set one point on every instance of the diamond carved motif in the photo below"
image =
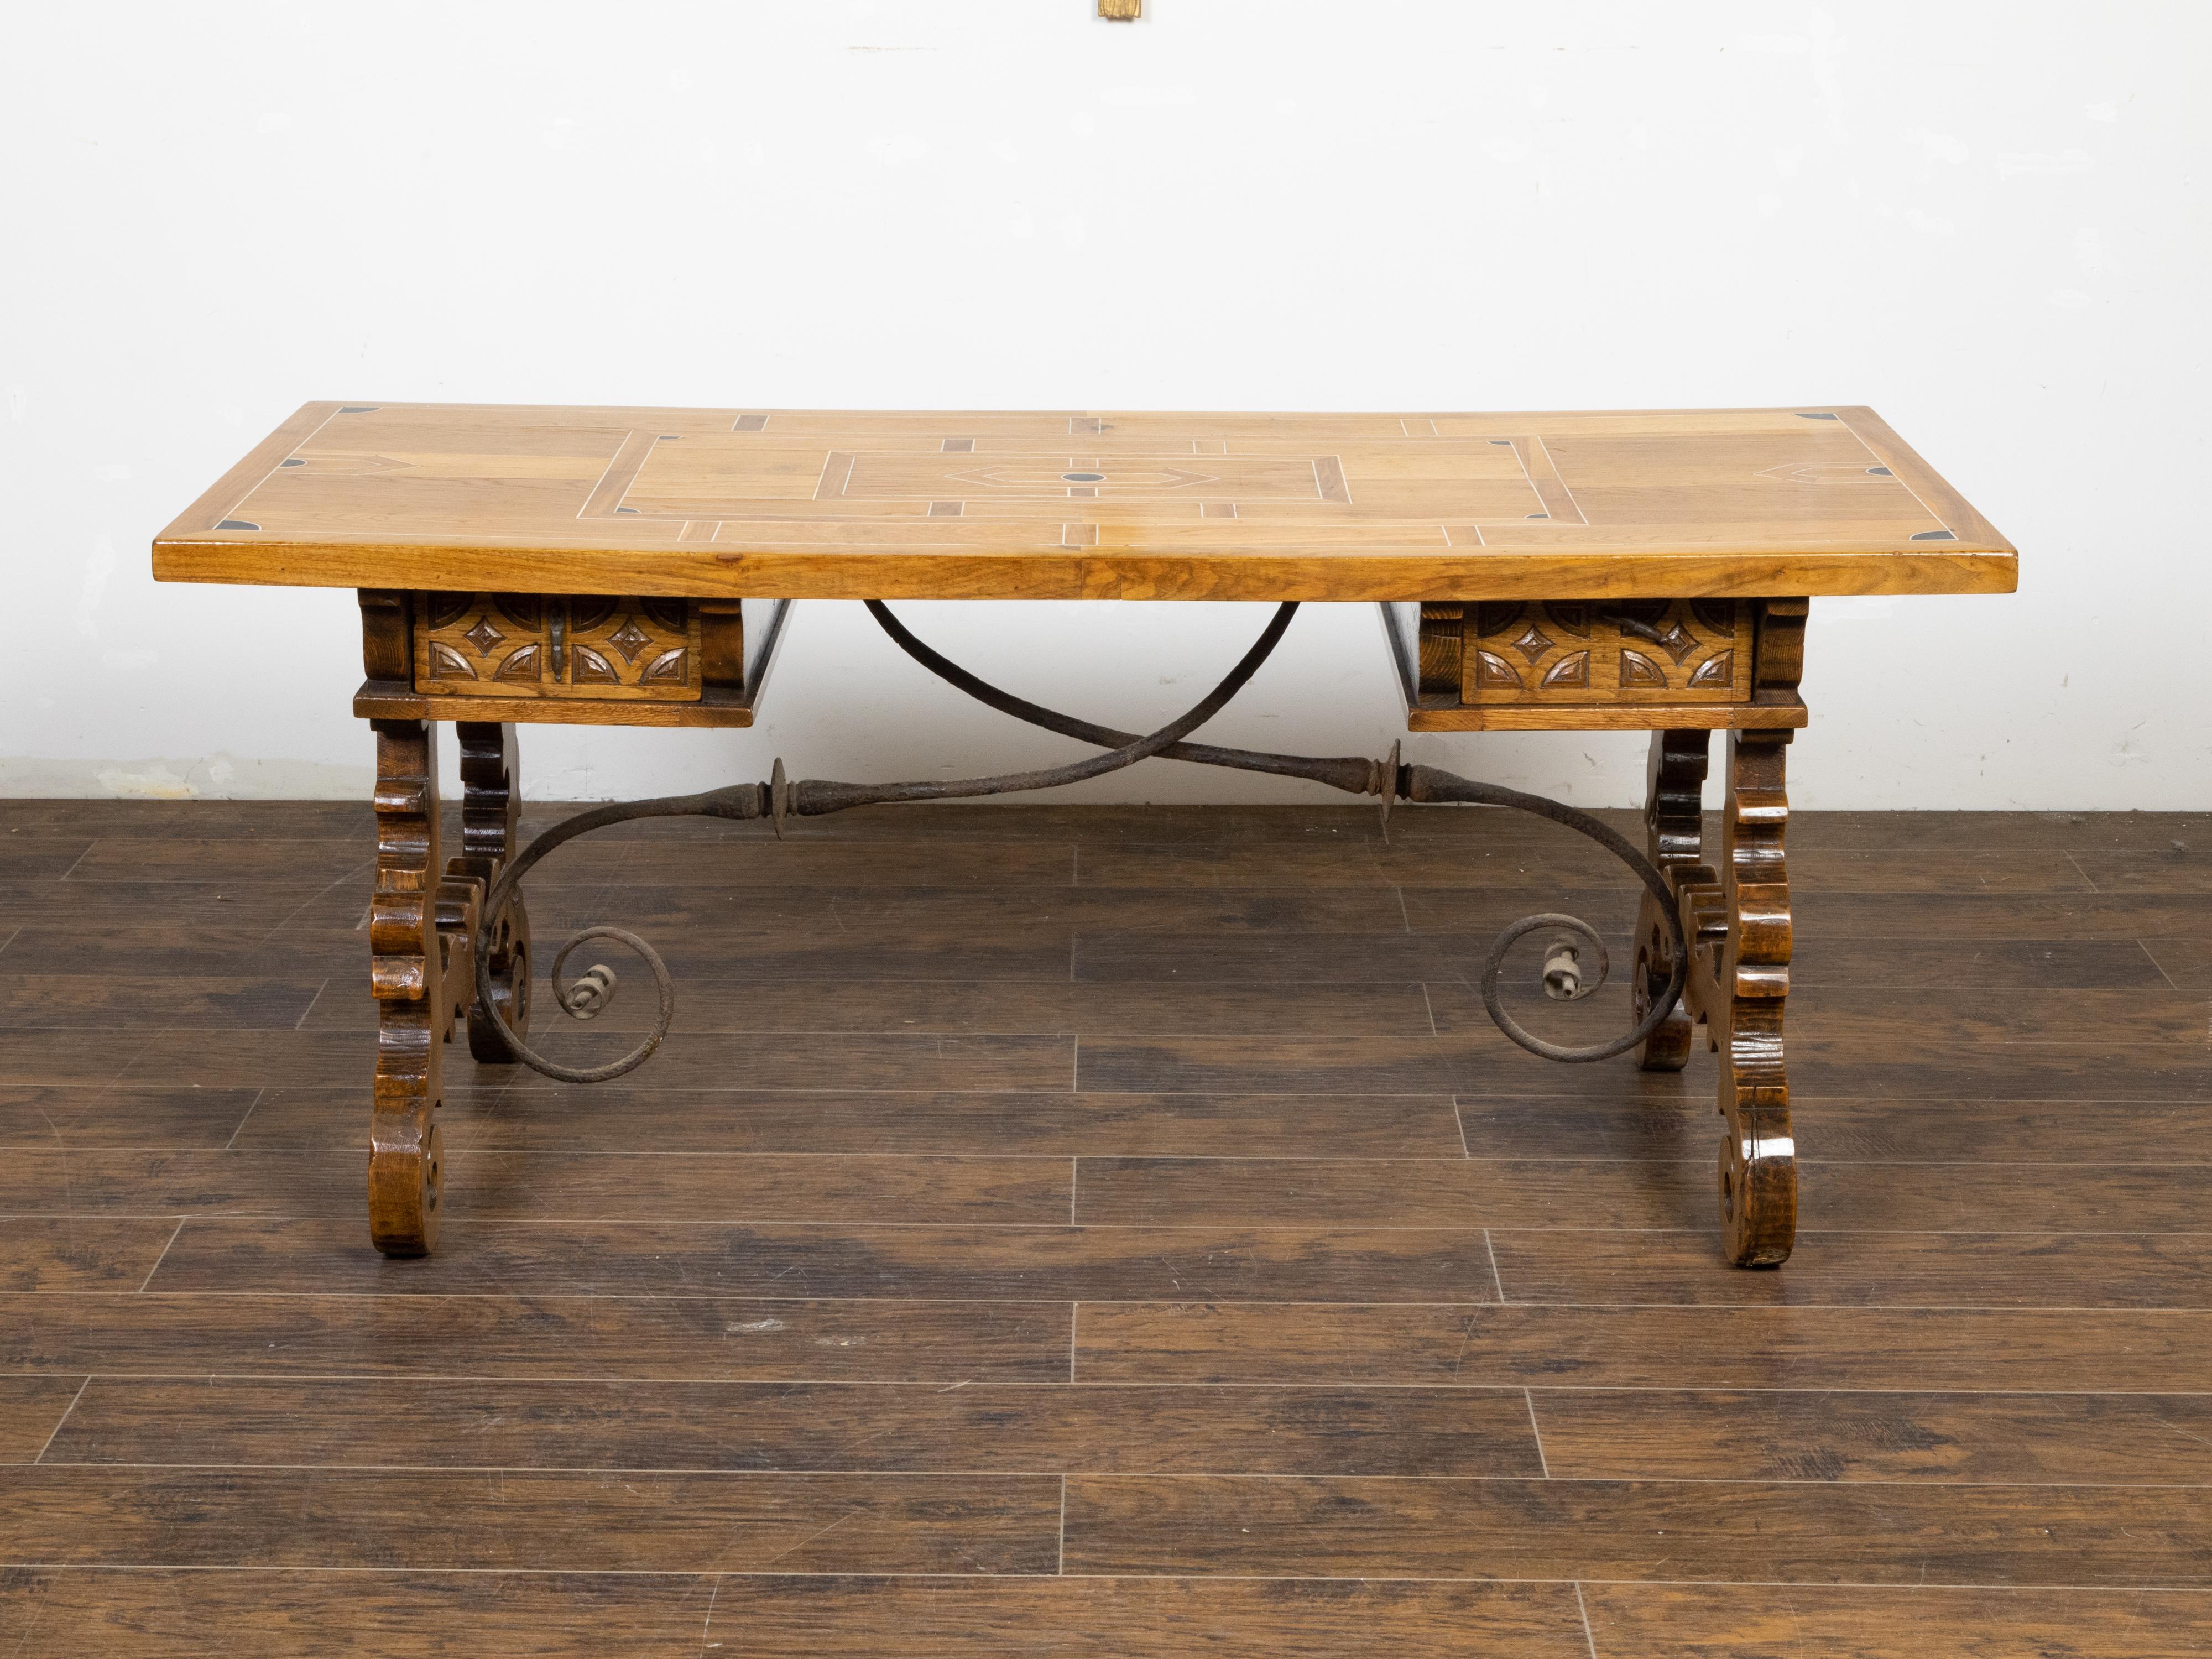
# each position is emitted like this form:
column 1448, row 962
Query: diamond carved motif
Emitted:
column 1533, row 642
column 630, row 639
column 483, row 635
column 1678, row 642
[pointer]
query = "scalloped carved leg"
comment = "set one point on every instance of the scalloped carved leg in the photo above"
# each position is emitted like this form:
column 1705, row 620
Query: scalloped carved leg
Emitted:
column 406, row 973
column 1758, row 1158
column 1673, row 815
column 491, row 803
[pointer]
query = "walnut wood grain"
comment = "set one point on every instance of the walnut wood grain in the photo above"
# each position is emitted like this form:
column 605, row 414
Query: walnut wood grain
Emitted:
column 30, row 1410
column 374, row 702
column 271, row 1613
column 491, row 805
column 1674, row 818
column 387, row 649
column 1349, row 1527
column 799, row 504
column 2085, row 1349
column 722, row 651
column 278, row 1613
column 610, row 1118
column 617, row 1521
column 1481, row 1191
column 407, row 975
column 1995, row 1267
column 764, row 1187
column 1631, row 652
column 1693, row 1621
column 948, row 1261
column 551, row 1338
column 90, row 1254
column 1743, row 1011
column 2091, row 1440
column 1153, row 1616
column 167, row 1116
column 1353, row 1194
column 880, row 1003
column 564, row 646
column 1779, row 714
column 2010, row 1128
column 851, row 1427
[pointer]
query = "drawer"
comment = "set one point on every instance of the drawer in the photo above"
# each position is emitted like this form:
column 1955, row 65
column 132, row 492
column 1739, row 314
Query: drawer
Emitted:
column 1598, row 664
column 581, row 647
column 1570, row 651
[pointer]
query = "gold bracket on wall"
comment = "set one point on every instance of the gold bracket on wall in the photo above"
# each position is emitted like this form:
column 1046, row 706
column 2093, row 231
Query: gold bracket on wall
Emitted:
column 1121, row 11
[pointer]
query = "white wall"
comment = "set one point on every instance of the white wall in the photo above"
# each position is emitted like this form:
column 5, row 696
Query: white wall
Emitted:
column 1987, row 220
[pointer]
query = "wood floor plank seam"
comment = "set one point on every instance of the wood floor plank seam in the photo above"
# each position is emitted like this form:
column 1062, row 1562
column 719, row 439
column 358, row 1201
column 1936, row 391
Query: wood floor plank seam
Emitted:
column 1915, row 1587
column 649, row 1379
column 1536, row 1430
column 2144, row 946
column 63, row 1418
column 786, row 1471
column 301, row 1024
column 271, row 1154
column 417, row 1298
column 1582, row 1608
column 162, row 1257
column 1057, row 1385
column 243, row 1118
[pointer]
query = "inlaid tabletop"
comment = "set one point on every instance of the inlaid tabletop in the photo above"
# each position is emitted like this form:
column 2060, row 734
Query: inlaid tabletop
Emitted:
column 785, row 504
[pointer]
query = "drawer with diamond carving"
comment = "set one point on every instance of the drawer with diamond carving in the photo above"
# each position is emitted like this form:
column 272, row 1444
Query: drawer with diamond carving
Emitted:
column 559, row 645
column 1583, row 651
column 1565, row 663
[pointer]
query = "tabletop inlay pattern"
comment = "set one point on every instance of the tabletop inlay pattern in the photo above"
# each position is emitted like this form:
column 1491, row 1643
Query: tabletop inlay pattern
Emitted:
column 1355, row 505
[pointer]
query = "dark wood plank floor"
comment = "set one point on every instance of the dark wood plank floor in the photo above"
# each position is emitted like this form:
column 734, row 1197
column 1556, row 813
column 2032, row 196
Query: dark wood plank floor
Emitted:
column 1108, row 1231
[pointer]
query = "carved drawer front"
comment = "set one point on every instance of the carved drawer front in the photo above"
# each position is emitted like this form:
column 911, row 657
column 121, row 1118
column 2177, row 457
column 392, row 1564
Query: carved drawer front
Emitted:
column 1566, row 652
column 551, row 645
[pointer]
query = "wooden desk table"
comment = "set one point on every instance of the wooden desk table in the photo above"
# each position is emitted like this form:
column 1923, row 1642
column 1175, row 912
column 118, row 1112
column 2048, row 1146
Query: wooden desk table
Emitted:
column 1632, row 571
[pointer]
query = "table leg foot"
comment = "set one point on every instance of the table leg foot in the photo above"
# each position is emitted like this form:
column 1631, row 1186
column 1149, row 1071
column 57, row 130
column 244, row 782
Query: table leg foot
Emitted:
column 1759, row 1157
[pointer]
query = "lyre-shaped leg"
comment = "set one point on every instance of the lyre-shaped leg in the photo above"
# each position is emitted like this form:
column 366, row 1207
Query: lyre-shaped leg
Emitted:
column 1674, row 817
column 421, row 923
column 407, row 975
column 1758, row 1158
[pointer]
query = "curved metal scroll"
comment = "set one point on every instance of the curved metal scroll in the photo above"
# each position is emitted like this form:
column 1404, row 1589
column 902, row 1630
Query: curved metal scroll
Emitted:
column 813, row 797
